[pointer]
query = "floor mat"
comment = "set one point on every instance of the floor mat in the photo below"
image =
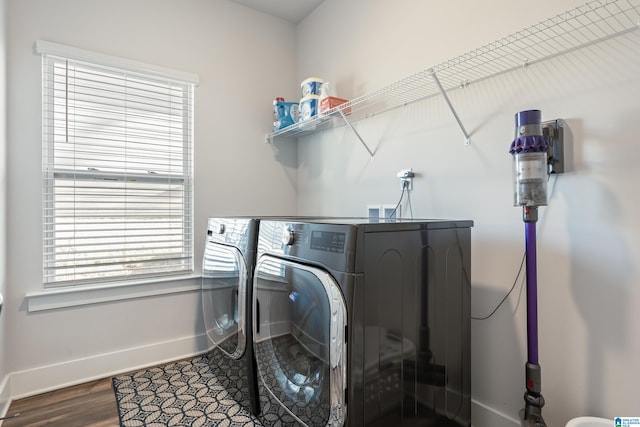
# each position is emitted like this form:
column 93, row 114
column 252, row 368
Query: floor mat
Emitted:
column 183, row 393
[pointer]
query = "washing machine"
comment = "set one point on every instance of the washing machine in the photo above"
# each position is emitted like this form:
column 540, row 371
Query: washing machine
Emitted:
column 363, row 323
column 227, row 272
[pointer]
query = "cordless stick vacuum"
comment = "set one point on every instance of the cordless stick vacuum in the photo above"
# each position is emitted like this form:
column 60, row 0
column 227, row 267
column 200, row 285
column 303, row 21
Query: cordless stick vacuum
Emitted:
column 529, row 150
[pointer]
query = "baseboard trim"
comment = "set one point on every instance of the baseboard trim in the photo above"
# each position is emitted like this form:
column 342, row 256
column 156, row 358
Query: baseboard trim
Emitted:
column 483, row 415
column 21, row 384
column 59, row 375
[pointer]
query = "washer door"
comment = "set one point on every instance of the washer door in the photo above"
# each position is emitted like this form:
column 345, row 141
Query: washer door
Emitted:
column 224, row 282
column 300, row 342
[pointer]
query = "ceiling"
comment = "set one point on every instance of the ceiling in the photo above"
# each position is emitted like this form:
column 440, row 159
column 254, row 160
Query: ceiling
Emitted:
column 291, row 10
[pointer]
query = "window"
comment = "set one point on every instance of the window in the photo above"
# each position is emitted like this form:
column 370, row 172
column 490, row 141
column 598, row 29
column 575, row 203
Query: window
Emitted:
column 117, row 169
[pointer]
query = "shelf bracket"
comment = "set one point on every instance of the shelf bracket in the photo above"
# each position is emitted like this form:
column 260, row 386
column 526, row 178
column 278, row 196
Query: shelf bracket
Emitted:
column 355, row 131
column 467, row 140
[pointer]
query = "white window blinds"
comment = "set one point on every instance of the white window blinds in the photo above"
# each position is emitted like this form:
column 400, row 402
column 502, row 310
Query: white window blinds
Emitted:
column 117, row 172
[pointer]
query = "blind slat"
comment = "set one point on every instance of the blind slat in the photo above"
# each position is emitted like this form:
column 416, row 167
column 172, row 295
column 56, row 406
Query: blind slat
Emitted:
column 117, row 173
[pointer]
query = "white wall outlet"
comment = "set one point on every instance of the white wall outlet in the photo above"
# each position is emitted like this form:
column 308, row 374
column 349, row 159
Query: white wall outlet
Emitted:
column 406, row 179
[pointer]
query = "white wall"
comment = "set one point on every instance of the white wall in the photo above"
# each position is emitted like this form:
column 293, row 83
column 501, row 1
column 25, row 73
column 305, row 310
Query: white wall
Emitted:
column 589, row 237
column 244, row 59
column 4, row 390
column 589, row 241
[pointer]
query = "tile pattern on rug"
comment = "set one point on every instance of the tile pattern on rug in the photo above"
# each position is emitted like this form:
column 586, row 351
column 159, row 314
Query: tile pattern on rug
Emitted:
column 183, row 393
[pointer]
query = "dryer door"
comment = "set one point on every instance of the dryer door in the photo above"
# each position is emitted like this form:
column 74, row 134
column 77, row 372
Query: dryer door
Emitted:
column 299, row 342
column 224, row 283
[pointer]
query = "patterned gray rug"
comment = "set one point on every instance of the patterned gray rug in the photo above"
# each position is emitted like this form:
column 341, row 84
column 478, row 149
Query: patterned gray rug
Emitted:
column 183, row 393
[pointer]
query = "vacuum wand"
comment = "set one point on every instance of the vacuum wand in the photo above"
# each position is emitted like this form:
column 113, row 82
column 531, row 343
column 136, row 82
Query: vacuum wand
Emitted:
column 534, row 401
column 532, row 287
column 529, row 150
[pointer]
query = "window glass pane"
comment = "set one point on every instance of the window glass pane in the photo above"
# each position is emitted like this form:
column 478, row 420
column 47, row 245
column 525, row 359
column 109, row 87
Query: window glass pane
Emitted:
column 117, row 173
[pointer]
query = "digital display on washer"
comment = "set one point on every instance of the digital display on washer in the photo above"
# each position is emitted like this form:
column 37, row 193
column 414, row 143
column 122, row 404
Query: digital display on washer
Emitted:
column 328, row 241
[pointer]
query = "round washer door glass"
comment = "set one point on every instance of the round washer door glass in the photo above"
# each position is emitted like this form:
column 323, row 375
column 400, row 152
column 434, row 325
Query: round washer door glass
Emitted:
column 299, row 334
column 224, row 282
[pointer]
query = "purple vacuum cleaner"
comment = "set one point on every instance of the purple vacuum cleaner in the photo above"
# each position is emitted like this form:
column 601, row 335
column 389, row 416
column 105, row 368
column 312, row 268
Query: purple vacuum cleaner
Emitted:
column 529, row 150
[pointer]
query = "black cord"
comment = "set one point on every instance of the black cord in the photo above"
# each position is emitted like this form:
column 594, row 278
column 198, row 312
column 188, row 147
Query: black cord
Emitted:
column 404, row 187
column 515, row 282
column 524, row 256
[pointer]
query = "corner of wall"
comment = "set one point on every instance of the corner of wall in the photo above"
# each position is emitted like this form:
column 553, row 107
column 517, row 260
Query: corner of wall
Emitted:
column 5, row 393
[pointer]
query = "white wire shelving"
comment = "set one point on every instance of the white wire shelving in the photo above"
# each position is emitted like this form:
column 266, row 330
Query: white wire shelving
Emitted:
column 583, row 26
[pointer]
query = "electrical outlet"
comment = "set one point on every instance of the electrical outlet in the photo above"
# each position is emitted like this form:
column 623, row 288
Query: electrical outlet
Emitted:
column 406, row 184
column 406, row 179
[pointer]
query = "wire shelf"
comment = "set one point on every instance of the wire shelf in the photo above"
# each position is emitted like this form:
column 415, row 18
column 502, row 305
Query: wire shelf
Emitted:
column 583, row 26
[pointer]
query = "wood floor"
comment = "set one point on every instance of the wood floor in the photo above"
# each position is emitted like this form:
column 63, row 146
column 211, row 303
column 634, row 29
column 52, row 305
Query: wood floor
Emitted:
column 86, row 405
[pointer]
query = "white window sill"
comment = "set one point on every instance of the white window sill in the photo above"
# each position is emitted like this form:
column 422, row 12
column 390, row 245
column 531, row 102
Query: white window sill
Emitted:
column 52, row 299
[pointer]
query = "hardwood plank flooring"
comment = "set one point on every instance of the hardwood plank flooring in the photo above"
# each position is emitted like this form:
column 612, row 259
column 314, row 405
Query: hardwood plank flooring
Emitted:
column 92, row 404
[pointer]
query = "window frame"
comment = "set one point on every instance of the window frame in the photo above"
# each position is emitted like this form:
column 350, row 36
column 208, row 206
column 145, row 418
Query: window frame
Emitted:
column 50, row 175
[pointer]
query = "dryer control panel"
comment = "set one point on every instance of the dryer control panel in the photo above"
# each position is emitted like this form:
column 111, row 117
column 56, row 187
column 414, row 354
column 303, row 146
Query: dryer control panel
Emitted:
column 328, row 241
column 330, row 245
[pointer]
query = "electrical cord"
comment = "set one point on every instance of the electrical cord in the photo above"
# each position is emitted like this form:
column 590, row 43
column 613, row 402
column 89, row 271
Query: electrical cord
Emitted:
column 515, row 282
column 524, row 256
column 405, row 184
column 409, row 203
